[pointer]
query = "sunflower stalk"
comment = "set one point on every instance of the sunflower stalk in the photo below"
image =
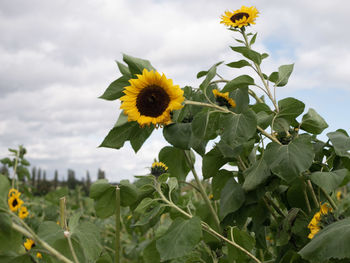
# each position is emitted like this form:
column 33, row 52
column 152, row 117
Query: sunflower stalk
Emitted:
column 117, row 225
column 204, row 225
column 15, row 169
column 202, row 191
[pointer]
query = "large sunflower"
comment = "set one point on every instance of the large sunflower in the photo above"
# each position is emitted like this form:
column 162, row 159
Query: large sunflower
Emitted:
column 150, row 98
column 241, row 17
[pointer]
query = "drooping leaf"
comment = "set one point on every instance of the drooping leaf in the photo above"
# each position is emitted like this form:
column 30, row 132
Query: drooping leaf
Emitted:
column 175, row 159
column 243, row 239
column 340, row 142
column 181, row 237
column 231, row 199
column 249, row 54
column 136, row 65
column 329, row 181
column 290, row 108
column 238, row 82
column 115, row 89
column 312, row 122
column 209, row 76
column 212, row 162
column 205, row 125
column 219, row 181
column 256, row 175
column 284, row 73
column 238, row 64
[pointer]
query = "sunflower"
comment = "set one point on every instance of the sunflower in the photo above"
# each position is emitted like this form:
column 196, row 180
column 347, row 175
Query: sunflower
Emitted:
column 15, row 202
column 13, row 191
column 23, row 212
column 339, row 195
column 241, row 17
column 223, row 99
column 29, row 244
column 150, row 98
column 323, row 216
column 158, row 168
column 38, row 255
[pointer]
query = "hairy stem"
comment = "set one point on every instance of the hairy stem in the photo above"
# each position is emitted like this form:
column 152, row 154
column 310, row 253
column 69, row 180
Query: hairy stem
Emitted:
column 202, row 191
column 117, row 225
column 14, row 169
column 314, row 198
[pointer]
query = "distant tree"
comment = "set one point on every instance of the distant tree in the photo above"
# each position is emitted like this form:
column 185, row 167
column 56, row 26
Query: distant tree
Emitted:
column 55, row 180
column 100, row 174
column 44, row 176
column 87, row 183
column 71, row 181
column 33, row 176
column 39, row 177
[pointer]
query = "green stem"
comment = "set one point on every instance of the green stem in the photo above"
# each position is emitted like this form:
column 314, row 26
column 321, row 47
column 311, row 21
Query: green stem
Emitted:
column 63, row 221
column 314, row 198
column 307, row 200
column 117, row 225
column 330, row 200
column 275, row 206
column 36, row 239
column 75, row 258
column 202, row 191
column 14, row 169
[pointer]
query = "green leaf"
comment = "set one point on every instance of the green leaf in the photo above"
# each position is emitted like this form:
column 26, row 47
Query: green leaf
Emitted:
column 144, row 205
column 232, row 198
column 210, row 75
column 284, row 73
column 104, row 195
column 219, row 181
column 124, row 69
column 273, row 77
column 252, row 40
column 150, row 253
column 329, row 181
column 4, row 189
column 50, row 232
column 243, row 239
column 241, row 98
column 128, row 193
column 139, row 136
column 181, row 237
column 115, row 89
column 239, row 82
column 288, row 161
column 175, row 159
column 290, row 108
column 238, row 64
column 136, row 65
column 256, row 175
column 212, row 162
column 312, row 122
column 206, row 124
column 249, row 54
column 178, row 135
column 341, row 143
column 173, row 184
column 330, row 242
column 201, row 74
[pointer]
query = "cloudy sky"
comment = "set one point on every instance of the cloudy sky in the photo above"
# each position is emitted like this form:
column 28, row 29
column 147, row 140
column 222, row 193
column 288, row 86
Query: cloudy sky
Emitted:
column 58, row 56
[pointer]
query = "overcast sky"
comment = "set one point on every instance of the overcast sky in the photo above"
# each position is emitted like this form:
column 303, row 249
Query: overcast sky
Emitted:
column 58, row 56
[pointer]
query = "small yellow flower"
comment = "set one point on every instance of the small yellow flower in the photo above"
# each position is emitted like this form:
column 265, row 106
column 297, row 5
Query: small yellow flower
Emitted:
column 150, row 98
column 14, row 202
column 339, row 195
column 12, row 192
column 38, row 255
column 158, row 168
column 241, row 17
column 129, row 217
column 29, row 244
column 223, row 99
column 314, row 224
column 211, row 196
column 23, row 212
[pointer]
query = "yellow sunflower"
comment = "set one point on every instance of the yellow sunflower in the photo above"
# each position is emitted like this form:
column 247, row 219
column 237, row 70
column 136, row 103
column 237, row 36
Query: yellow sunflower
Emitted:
column 29, row 244
column 241, row 17
column 23, row 212
column 14, row 202
column 339, row 195
column 13, row 191
column 38, row 255
column 223, row 99
column 150, row 98
column 315, row 223
column 158, row 168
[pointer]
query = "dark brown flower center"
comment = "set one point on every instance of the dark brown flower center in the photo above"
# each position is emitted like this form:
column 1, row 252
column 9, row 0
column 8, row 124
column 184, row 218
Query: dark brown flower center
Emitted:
column 152, row 101
column 238, row 16
column 223, row 101
column 14, row 202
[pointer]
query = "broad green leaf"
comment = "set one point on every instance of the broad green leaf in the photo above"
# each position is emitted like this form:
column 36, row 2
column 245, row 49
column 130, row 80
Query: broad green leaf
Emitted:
column 264, row 119
column 139, row 136
column 284, row 73
column 273, row 77
column 205, row 125
column 288, row 161
column 219, row 181
column 210, row 75
column 256, row 175
column 340, row 142
column 62, row 246
column 115, row 89
column 151, row 216
column 175, row 159
column 201, row 74
column 241, row 97
column 128, row 193
column 10, row 240
column 50, row 232
column 173, row 184
column 181, row 237
column 252, row 40
column 150, row 253
column 143, row 206
column 238, row 64
column 249, row 54
column 232, row 198
column 245, row 240
column 312, row 122
column 329, row 181
column 136, row 65
column 4, row 189
column 331, row 242
column 290, row 108
column 124, row 69
column 178, row 135
column 105, row 199
column 212, row 162
column 239, row 82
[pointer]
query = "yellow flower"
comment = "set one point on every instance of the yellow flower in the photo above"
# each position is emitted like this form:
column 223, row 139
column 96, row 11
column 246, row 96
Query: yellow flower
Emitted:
column 14, row 202
column 38, row 255
column 241, row 17
column 12, row 192
column 158, row 168
column 339, row 195
column 223, row 99
column 211, row 196
column 314, row 224
column 23, row 212
column 129, row 217
column 150, row 98
column 29, row 244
